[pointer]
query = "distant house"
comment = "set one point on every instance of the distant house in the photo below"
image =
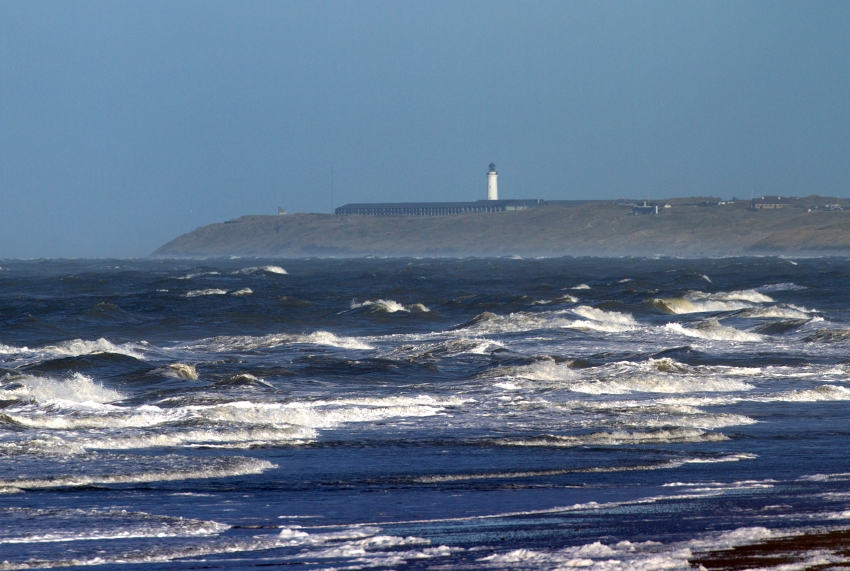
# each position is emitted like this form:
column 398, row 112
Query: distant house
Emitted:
column 769, row 203
column 645, row 210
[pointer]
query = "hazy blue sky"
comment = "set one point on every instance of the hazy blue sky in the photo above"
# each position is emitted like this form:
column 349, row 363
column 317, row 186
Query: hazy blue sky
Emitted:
column 124, row 124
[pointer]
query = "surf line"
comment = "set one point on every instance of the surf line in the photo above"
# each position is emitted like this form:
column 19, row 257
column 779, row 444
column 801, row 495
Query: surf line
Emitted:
column 589, row 506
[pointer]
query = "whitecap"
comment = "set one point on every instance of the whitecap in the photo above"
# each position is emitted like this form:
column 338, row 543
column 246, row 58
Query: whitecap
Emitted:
column 382, row 305
column 263, row 269
column 616, row 438
column 784, row 286
column 197, row 275
column 821, row 393
column 203, row 292
column 77, row 389
column 605, row 316
column 226, row 343
column 715, row 332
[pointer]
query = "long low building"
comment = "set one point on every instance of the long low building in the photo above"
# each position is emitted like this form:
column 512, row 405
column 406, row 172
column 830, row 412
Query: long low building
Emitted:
column 436, row 208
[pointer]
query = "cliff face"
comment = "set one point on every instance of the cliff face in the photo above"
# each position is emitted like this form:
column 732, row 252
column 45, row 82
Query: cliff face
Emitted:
column 603, row 229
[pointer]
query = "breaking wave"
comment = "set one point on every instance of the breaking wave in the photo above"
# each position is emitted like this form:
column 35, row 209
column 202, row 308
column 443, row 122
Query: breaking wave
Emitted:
column 620, row 437
column 203, row 292
column 262, row 269
column 713, row 331
column 388, row 306
column 79, row 388
column 699, row 302
column 248, row 343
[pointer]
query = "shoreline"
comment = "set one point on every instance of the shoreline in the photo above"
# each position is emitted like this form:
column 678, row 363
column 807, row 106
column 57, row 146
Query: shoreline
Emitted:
column 595, row 229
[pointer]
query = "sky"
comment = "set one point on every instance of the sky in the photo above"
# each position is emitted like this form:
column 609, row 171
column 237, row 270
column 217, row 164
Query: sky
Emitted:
column 124, row 124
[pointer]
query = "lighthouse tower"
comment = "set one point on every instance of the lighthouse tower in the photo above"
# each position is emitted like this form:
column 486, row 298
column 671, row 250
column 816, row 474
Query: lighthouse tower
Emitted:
column 492, row 189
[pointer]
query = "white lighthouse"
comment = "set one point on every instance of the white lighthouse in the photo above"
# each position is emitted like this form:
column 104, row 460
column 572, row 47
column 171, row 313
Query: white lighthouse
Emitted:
column 492, row 189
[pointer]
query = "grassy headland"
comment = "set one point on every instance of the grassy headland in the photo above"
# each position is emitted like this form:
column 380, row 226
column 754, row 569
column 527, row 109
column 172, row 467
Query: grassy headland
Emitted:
column 692, row 227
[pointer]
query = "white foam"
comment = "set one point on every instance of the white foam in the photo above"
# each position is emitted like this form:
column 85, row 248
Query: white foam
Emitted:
column 214, row 438
column 560, row 299
column 249, row 343
column 821, row 393
column 785, row 286
column 700, row 302
column 329, row 339
column 268, row 269
column 203, row 292
column 447, row 348
column 388, row 306
column 715, row 332
column 181, row 371
column 749, row 295
column 197, row 275
column 77, row 389
column 97, row 525
column 654, row 376
column 79, row 347
column 326, row 414
column 581, row 286
column 617, row 438
column 489, row 323
column 613, row 317
column 234, row 466
column 243, row 291
column 354, row 547
column 779, row 312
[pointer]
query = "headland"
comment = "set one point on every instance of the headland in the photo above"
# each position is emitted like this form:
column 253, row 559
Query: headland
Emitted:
column 687, row 227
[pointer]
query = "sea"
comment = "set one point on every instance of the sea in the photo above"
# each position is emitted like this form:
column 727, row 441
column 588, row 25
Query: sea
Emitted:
column 407, row 413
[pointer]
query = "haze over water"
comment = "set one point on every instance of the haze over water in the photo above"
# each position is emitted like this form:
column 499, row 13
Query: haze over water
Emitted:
column 419, row 413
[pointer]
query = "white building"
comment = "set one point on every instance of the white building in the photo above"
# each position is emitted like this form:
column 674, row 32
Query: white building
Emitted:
column 492, row 189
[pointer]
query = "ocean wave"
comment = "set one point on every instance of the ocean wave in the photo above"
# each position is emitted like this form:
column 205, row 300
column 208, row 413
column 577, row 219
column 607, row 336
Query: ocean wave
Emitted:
column 248, row 343
column 654, row 376
column 700, row 302
column 558, row 300
column 80, row 347
column 828, row 336
column 325, row 414
column 262, row 269
column 785, row 286
column 352, row 547
column 210, row 438
column 821, row 393
column 222, row 422
column 78, row 388
column 713, row 331
column 489, row 323
column 203, row 292
column 204, row 468
column 600, row 320
column 95, row 524
column 243, row 291
column 180, row 371
column 447, row 348
column 388, row 306
column 616, row 438
column 776, row 311
column 194, row 275
column 76, row 348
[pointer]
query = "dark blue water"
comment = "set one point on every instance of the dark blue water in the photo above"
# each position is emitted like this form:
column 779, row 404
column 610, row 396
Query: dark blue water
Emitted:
column 407, row 413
